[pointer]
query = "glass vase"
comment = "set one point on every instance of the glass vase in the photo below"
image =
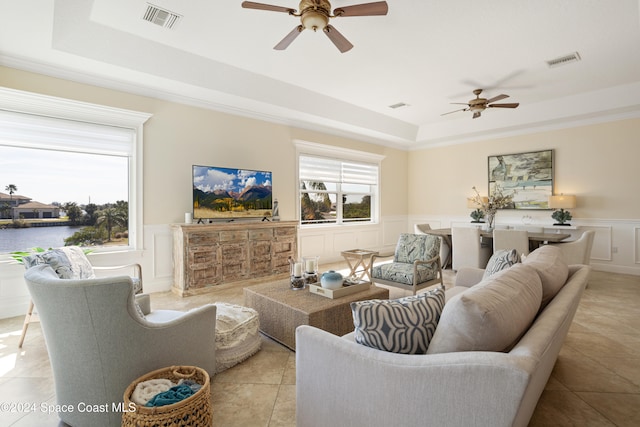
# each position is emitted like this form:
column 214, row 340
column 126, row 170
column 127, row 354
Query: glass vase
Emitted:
column 310, row 265
column 296, row 274
column 489, row 223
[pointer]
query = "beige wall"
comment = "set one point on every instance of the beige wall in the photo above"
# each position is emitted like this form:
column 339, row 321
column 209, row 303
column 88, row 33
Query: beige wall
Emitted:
column 598, row 163
column 178, row 136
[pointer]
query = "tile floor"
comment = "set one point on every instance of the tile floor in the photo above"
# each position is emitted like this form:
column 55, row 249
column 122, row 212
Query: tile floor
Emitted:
column 596, row 380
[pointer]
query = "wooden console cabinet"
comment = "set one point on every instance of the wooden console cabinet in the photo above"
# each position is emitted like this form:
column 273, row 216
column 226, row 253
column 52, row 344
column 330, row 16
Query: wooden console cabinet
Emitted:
column 206, row 255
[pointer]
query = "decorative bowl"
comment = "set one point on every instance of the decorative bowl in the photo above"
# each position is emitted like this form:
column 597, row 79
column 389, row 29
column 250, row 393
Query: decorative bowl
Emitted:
column 331, row 280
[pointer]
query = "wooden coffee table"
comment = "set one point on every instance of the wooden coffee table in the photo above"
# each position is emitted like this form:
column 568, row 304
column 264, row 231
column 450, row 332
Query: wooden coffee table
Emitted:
column 282, row 310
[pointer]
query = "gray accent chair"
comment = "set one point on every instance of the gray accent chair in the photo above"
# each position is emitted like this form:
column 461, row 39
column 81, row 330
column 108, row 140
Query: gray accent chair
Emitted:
column 79, row 268
column 416, row 263
column 99, row 342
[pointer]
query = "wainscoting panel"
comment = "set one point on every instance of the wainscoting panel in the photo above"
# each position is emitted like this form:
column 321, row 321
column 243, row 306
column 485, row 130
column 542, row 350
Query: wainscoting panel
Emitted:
column 636, row 245
column 368, row 239
column 391, row 229
column 343, row 240
column 602, row 246
column 14, row 295
column 163, row 254
column 328, row 242
column 157, row 261
column 314, row 243
column 616, row 249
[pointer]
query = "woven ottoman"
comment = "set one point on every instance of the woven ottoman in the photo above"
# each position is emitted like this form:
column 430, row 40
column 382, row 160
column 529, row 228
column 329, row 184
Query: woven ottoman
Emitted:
column 237, row 336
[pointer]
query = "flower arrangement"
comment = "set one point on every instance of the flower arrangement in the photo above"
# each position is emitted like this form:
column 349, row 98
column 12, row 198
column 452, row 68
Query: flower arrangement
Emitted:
column 497, row 200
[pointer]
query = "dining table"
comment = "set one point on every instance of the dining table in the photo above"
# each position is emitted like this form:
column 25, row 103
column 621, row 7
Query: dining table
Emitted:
column 535, row 238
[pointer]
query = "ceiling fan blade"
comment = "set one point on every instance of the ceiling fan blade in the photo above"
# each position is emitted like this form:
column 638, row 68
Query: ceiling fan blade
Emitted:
column 286, row 41
column 508, row 105
column 262, row 6
column 365, row 9
column 459, row 103
column 497, row 98
column 338, row 39
column 454, row 111
column 476, row 114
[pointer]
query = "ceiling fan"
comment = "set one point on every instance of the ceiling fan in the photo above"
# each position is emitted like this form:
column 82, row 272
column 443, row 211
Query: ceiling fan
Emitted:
column 478, row 105
column 315, row 14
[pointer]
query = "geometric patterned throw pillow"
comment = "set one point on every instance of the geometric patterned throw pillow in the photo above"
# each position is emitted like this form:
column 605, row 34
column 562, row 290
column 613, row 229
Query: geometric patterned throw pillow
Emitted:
column 404, row 325
column 500, row 260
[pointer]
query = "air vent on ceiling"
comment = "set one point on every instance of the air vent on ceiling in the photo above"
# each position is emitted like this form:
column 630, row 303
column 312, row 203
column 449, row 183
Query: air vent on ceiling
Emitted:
column 161, row 17
column 398, row 105
column 563, row 60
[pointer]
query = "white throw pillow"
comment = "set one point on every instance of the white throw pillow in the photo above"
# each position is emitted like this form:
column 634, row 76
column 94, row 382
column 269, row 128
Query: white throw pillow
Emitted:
column 490, row 316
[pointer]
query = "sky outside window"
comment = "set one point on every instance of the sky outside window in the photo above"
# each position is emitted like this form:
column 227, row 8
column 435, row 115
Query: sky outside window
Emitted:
column 58, row 176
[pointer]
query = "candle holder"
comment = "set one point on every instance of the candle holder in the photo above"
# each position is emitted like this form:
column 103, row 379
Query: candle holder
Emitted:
column 295, row 270
column 310, row 264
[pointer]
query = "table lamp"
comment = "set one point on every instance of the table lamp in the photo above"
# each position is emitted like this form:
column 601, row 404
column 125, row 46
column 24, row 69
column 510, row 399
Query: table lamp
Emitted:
column 562, row 202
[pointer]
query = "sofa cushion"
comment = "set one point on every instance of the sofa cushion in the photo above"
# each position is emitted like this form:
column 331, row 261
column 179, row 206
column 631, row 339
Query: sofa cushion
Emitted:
column 549, row 264
column 404, row 325
column 500, row 260
column 490, row 316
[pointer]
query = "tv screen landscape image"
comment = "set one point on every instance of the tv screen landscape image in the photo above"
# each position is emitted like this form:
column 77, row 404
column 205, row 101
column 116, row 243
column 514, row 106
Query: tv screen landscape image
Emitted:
column 227, row 193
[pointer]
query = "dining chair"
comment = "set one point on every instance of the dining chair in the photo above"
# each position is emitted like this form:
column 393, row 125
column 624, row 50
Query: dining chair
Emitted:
column 511, row 239
column 468, row 251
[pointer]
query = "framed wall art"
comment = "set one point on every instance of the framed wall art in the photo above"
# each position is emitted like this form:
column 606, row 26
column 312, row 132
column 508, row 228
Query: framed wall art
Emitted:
column 528, row 176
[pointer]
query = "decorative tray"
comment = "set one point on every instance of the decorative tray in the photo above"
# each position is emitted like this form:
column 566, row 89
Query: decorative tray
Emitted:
column 347, row 288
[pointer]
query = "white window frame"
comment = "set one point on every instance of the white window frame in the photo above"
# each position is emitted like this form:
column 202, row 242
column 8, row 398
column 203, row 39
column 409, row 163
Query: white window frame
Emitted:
column 16, row 101
column 341, row 154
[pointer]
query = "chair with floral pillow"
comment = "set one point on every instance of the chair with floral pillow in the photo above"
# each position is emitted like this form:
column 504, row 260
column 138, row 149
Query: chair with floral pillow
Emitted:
column 416, row 263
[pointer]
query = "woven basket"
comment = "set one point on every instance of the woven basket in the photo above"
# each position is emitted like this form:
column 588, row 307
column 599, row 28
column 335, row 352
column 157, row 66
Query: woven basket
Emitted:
column 192, row 411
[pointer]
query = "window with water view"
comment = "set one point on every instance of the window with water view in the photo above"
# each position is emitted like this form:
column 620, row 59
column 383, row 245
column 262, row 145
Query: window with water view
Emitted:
column 63, row 181
column 52, row 198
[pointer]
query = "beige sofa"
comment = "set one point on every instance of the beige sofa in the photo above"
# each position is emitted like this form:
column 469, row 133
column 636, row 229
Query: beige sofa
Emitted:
column 340, row 382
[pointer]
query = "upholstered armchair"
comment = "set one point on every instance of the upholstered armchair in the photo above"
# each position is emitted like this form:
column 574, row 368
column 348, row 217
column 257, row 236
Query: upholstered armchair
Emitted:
column 578, row 251
column 445, row 242
column 70, row 262
column 99, row 341
column 416, row 263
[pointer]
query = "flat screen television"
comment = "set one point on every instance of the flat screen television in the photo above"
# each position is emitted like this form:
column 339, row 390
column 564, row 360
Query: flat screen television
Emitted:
column 229, row 194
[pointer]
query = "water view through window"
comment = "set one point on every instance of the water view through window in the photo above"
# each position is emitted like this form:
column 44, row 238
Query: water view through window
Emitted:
column 47, row 196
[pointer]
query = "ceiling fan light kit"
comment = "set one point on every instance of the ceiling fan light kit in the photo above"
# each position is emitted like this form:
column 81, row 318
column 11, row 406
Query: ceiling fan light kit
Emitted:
column 478, row 105
column 316, row 14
